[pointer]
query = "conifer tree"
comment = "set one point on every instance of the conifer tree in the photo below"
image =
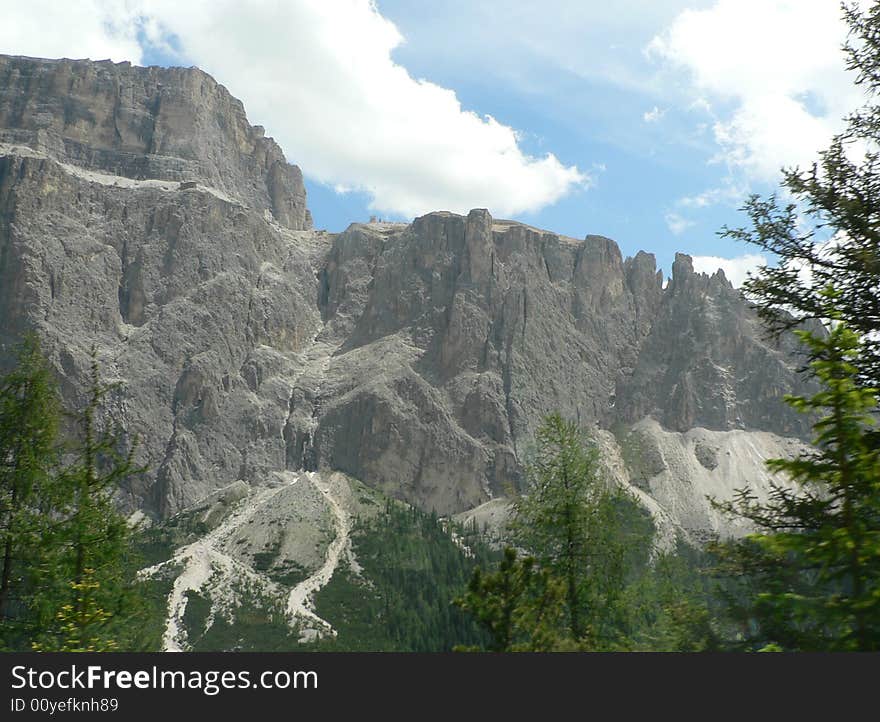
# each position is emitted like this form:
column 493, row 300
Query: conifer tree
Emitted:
column 91, row 541
column 811, row 575
column 570, row 520
column 29, row 418
column 79, row 624
column 521, row 606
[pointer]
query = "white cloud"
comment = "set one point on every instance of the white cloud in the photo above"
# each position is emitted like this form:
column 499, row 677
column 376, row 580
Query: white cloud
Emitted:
column 99, row 29
column 728, row 193
column 701, row 105
column 778, row 64
column 677, row 224
column 653, row 115
column 736, row 269
column 320, row 77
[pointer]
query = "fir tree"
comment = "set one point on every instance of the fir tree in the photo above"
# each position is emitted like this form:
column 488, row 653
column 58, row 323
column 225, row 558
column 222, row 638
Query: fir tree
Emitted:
column 812, row 572
column 29, row 418
column 808, row 580
column 87, row 563
column 521, row 606
column 79, row 623
column 572, row 522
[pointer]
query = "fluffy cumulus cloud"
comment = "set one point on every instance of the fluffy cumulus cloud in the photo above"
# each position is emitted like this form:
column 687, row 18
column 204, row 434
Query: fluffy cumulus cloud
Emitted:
column 777, row 65
column 99, row 29
column 736, row 269
column 320, row 76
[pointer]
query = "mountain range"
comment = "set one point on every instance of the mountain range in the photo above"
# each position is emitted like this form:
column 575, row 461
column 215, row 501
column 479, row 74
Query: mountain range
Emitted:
column 278, row 379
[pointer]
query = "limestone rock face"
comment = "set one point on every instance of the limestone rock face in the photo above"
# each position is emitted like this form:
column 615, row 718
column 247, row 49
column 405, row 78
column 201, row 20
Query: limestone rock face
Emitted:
column 707, row 361
column 192, row 302
column 418, row 358
column 462, row 332
column 147, row 123
column 194, row 299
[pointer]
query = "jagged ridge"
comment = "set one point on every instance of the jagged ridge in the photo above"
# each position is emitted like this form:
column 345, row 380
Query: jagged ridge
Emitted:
column 417, row 358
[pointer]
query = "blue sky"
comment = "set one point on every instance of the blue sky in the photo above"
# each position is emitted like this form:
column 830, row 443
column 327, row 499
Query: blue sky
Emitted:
column 648, row 122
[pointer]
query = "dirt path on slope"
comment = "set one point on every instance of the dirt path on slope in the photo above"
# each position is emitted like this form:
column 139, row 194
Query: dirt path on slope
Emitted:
column 299, row 602
column 205, row 558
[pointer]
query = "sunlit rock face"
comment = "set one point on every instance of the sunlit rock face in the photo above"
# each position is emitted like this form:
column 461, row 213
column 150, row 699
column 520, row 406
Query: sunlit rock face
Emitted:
column 141, row 214
column 174, row 124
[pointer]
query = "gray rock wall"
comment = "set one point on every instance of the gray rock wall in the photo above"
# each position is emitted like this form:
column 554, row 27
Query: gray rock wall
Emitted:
column 193, row 303
column 418, row 358
column 147, row 123
column 459, row 333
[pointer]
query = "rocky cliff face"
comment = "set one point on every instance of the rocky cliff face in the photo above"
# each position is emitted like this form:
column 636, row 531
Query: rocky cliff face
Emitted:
column 147, row 123
column 417, row 358
column 458, row 333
